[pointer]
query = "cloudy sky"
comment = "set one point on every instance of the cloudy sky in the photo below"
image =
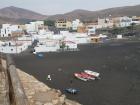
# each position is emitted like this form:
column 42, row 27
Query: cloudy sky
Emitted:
column 49, row 7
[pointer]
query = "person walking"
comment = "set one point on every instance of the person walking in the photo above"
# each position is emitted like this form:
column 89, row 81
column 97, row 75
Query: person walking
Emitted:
column 49, row 77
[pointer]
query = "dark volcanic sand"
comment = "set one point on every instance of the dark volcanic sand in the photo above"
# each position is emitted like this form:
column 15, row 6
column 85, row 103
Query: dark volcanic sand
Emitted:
column 119, row 65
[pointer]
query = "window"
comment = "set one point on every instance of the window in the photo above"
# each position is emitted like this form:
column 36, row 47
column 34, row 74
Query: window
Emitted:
column 9, row 35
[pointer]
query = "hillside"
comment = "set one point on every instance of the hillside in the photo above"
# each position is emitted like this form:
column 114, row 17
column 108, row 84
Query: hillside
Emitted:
column 8, row 20
column 19, row 13
column 86, row 15
column 4, row 20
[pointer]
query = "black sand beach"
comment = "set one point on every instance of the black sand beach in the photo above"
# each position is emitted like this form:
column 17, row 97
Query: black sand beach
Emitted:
column 118, row 64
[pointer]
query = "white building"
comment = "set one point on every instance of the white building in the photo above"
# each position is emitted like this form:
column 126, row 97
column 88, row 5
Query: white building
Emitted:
column 82, row 38
column 47, row 46
column 91, row 29
column 76, row 23
column 42, row 36
column 13, row 47
column 78, row 38
column 70, row 44
column 34, row 26
column 53, row 42
column 105, row 23
column 25, row 39
column 122, row 21
column 136, row 20
column 7, row 29
column 119, row 37
column 125, row 21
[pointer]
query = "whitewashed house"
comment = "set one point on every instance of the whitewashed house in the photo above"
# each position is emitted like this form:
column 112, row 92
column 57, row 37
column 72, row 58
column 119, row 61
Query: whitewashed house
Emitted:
column 70, row 45
column 47, row 46
column 91, row 29
column 122, row 21
column 13, row 47
column 76, row 23
column 78, row 38
column 25, row 39
column 43, row 35
column 82, row 38
column 125, row 21
column 136, row 20
column 34, row 26
column 8, row 29
column 105, row 23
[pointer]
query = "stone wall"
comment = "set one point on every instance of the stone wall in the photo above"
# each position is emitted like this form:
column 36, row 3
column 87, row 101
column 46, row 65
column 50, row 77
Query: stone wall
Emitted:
column 4, row 87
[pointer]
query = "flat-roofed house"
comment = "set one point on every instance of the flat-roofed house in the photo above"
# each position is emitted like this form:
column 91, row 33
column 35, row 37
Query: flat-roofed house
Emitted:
column 63, row 24
column 9, row 30
column 122, row 21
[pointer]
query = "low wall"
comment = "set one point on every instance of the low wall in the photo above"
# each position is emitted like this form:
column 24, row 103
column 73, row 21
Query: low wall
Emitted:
column 4, row 86
column 16, row 91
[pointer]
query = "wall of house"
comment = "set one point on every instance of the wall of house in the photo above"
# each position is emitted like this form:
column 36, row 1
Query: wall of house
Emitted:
column 13, row 49
column 7, row 29
column 34, row 26
column 71, row 45
column 75, row 24
column 105, row 23
column 45, row 48
column 63, row 24
column 122, row 21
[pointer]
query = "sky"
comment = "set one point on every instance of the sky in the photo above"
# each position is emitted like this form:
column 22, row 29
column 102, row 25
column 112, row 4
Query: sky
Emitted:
column 51, row 7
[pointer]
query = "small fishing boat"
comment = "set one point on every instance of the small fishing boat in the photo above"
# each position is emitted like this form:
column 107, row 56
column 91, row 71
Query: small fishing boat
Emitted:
column 71, row 90
column 88, row 76
column 96, row 74
column 40, row 55
column 80, row 76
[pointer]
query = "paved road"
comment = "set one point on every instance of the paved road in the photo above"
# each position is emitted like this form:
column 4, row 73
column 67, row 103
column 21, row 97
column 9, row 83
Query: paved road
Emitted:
column 118, row 64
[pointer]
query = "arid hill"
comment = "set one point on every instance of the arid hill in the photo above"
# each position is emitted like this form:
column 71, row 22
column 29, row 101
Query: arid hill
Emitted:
column 86, row 15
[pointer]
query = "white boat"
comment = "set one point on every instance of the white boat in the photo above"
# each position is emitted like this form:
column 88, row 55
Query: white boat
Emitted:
column 96, row 74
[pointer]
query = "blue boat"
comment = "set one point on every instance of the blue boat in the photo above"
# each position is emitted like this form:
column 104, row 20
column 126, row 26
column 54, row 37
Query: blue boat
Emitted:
column 40, row 55
column 72, row 90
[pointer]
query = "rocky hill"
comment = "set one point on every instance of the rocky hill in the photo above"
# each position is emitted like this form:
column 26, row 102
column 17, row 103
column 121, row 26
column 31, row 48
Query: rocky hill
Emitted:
column 4, row 20
column 19, row 13
column 86, row 15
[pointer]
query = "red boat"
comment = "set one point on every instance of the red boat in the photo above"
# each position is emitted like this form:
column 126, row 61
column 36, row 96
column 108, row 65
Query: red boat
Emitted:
column 83, row 76
column 80, row 76
column 88, row 76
